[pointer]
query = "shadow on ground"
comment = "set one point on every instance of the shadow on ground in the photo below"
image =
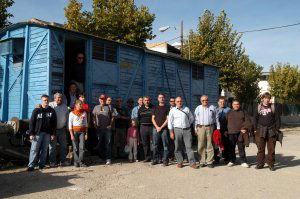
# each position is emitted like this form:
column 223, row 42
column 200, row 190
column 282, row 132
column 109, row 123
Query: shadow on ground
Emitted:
column 281, row 161
column 22, row 183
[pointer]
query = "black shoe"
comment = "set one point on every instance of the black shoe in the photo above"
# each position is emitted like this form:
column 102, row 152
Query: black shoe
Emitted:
column 217, row 161
column 165, row 163
column 154, row 163
column 147, row 160
column 76, row 165
column 210, row 166
column 258, row 167
column 30, row 169
column 83, row 165
column 271, row 168
column 202, row 165
column 41, row 167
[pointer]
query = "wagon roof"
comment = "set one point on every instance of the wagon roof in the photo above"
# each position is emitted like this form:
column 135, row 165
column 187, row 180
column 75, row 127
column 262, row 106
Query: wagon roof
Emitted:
column 56, row 26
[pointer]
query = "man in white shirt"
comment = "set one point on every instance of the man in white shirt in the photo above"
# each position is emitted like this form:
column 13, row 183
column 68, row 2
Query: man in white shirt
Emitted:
column 179, row 122
column 62, row 113
column 206, row 118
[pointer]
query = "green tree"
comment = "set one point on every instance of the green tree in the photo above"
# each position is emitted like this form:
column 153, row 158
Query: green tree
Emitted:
column 118, row 20
column 216, row 43
column 4, row 14
column 284, row 81
column 246, row 88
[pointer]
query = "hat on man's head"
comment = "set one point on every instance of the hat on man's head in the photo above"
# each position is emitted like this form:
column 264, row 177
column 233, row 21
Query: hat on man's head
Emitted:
column 103, row 96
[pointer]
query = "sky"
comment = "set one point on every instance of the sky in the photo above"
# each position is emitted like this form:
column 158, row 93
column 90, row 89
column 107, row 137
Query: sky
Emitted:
column 265, row 48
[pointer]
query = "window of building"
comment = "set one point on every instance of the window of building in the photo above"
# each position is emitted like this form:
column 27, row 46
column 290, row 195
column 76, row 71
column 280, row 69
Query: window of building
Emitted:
column 198, row 71
column 111, row 53
column 98, row 50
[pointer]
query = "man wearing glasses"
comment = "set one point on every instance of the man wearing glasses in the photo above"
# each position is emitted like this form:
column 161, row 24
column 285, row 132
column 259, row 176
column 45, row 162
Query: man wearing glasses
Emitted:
column 206, row 118
column 77, row 73
column 172, row 102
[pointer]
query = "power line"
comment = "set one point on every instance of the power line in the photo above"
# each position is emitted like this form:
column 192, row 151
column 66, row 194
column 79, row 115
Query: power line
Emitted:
column 271, row 28
column 247, row 31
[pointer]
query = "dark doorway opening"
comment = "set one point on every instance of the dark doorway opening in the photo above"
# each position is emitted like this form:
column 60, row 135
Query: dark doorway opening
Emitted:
column 75, row 63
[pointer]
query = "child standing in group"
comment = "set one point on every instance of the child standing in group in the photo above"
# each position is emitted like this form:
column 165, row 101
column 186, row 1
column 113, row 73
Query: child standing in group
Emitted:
column 78, row 132
column 132, row 141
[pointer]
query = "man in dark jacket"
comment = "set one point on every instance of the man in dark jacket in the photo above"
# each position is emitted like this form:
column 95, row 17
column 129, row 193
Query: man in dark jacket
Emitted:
column 71, row 96
column 238, row 124
column 145, row 122
column 222, row 111
column 42, row 126
column 266, row 125
column 121, row 125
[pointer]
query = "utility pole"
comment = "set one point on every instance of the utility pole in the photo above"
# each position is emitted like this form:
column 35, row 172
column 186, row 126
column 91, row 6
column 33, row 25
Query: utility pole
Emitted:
column 181, row 38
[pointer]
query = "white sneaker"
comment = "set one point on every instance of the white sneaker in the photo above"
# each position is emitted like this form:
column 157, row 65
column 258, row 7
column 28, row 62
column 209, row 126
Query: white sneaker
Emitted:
column 245, row 165
column 230, row 164
column 108, row 162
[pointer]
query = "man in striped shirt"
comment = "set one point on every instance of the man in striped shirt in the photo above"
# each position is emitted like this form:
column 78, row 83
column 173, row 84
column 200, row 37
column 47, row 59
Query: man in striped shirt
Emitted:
column 206, row 118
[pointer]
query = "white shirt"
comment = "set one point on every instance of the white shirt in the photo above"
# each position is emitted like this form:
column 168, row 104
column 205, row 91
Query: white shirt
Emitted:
column 180, row 118
column 74, row 120
column 206, row 116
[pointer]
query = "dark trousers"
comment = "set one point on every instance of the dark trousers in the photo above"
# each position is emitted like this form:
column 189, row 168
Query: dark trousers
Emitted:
column 225, row 141
column 261, row 145
column 106, row 135
column 232, row 142
column 157, row 138
column 146, row 132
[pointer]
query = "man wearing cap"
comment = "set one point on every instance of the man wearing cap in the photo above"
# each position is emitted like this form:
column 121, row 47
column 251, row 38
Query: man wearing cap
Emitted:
column 103, row 118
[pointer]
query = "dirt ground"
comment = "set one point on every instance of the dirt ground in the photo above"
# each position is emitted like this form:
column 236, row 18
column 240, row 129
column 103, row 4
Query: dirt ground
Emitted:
column 141, row 180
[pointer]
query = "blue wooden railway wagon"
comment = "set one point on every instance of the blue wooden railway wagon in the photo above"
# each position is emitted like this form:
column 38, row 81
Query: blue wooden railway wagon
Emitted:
column 36, row 59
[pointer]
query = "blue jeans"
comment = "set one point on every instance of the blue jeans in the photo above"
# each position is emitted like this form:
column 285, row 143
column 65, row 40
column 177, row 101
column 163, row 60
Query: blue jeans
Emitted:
column 78, row 147
column 61, row 137
column 162, row 135
column 106, row 135
column 39, row 146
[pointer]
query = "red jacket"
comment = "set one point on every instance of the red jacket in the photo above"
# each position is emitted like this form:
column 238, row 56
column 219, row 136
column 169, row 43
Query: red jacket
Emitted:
column 217, row 139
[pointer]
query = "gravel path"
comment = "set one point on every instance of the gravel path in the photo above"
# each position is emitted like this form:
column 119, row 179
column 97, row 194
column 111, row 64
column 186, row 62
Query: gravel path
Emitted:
column 141, row 180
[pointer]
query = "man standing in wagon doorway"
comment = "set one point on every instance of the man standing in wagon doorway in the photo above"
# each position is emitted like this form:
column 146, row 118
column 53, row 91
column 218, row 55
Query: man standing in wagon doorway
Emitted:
column 78, row 72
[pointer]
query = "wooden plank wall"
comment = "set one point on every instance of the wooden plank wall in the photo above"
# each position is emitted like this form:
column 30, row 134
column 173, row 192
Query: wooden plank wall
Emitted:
column 38, row 66
column 14, row 78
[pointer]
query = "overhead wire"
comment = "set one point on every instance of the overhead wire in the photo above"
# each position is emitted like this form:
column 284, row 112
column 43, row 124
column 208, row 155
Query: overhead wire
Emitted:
column 271, row 28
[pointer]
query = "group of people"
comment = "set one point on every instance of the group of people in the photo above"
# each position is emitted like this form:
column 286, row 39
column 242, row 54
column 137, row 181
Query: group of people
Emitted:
column 163, row 131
